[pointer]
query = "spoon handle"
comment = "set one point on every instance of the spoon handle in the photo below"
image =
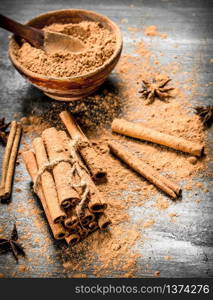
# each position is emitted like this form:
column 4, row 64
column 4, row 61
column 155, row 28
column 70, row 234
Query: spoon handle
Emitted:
column 33, row 35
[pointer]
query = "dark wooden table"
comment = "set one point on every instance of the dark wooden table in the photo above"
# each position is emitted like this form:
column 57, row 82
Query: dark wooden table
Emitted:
column 190, row 242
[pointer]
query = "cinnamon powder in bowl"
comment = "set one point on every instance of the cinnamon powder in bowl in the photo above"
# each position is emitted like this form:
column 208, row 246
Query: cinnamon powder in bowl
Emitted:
column 70, row 76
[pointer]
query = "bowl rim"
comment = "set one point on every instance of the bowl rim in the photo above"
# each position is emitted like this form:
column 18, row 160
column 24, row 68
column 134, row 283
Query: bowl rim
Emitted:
column 119, row 45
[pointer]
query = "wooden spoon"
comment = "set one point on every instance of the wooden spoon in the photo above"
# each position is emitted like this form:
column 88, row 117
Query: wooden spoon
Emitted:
column 49, row 41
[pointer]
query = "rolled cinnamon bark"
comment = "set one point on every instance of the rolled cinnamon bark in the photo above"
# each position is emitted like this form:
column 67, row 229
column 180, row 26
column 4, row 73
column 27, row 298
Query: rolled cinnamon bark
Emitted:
column 32, row 168
column 145, row 170
column 72, row 220
column 68, row 196
column 87, row 217
column 93, row 226
column 103, row 222
column 72, row 230
column 9, row 161
column 95, row 204
column 94, row 197
column 92, row 159
column 7, row 154
column 47, row 181
column 173, row 186
column 72, row 239
column 144, row 133
column 83, row 232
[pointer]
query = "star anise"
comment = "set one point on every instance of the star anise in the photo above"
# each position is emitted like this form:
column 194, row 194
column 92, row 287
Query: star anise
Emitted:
column 155, row 88
column 3, row 132
column 206, row 114
column 11, row 244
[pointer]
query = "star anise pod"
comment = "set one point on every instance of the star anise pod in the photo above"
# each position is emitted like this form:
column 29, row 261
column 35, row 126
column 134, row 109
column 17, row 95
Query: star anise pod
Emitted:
column 11, row 244
column 206, row 114
column 3, row 132
column 155, row 88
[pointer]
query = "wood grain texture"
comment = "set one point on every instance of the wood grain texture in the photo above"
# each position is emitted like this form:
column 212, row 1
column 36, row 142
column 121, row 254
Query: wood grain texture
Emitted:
column 189, row 241
column 32, row 35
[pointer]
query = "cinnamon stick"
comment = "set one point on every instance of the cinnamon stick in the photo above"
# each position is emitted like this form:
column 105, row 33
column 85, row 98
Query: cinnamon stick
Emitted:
column 70, row 222
column 9, row 161
column 32, row 168
column 83, row 232
column 145, row 170
column 72, row 239
column 7, row 154
column 95, row 204
column 68, row 195
column 91, row 158
column 47, row 181
column 72, row 219
column 144, row 133
column 87, row 217
column 103, row 222
column 93, row 199
column 93, row 226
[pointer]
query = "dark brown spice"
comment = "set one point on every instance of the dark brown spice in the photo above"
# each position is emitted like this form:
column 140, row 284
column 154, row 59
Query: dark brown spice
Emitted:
column 11, row 244
column 155, row 88
column 206, row 114
column 3, row 133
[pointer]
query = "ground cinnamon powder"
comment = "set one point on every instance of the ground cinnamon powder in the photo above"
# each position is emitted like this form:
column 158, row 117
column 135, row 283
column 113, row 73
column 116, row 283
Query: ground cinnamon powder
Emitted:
column 99, row 46
column 115, row 253
column 152, row 30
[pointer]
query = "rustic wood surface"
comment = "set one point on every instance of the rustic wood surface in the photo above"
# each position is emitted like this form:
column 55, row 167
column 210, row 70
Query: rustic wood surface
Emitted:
column 190, row 240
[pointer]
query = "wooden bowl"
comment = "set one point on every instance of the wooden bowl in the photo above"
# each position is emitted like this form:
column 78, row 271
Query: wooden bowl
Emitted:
column 76, row 87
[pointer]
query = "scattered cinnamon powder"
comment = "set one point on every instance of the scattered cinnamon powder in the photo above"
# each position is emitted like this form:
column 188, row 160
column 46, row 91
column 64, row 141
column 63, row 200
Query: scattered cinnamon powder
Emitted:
column 157, row 273
column 192, row 160
column 33, row 124
column 111, row 251
column 124, row 21
column 153, row 31
column 148, row 223
column 99, row 46
column 22, row 268
column 161, row 203
column 133, row 29
column 173, row 215
column 79, row 275
column 200, row 185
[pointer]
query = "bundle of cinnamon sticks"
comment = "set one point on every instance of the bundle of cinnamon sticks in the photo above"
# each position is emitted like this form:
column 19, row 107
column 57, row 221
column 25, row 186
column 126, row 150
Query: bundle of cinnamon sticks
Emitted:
column 72, row 203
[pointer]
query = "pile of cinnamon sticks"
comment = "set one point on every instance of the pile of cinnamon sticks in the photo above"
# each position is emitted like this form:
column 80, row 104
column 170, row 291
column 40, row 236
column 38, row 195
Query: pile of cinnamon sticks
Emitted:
column 72, row 203
column 144, row 133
